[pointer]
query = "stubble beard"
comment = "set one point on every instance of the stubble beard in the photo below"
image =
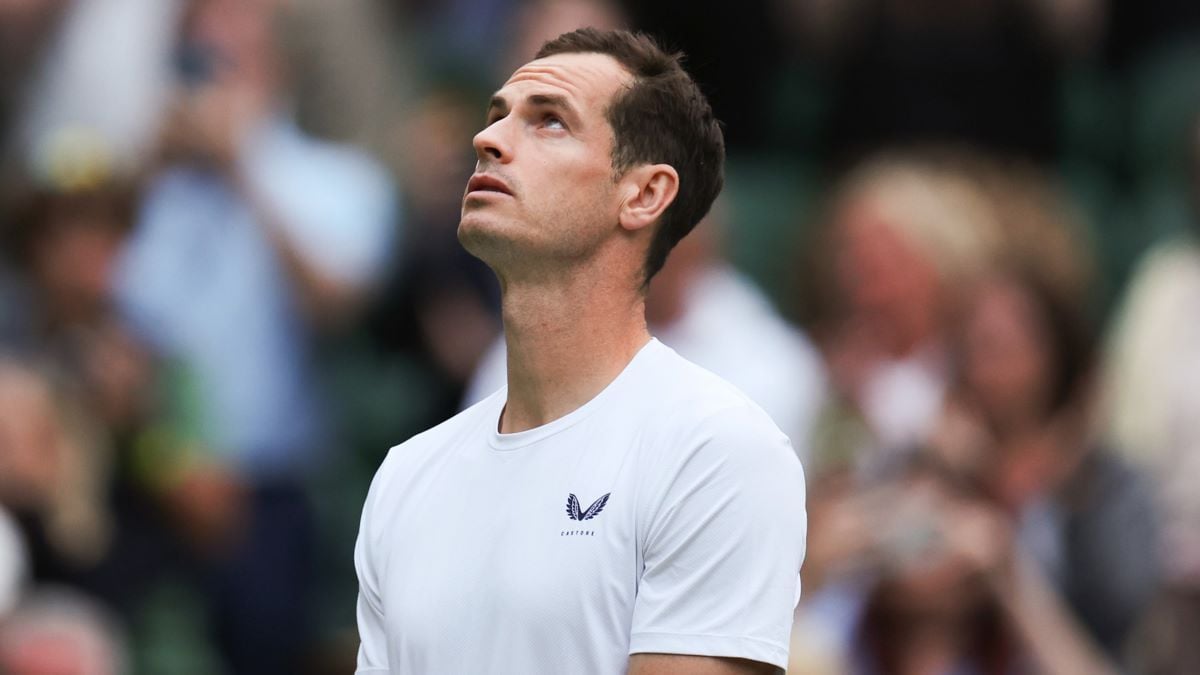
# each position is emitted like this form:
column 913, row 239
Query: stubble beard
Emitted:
column 565, row 237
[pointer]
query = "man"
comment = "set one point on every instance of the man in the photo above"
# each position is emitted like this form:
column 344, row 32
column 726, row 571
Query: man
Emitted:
column 614, row 508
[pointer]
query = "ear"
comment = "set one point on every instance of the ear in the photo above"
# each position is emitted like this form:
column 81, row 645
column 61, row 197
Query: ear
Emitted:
column 649, row 190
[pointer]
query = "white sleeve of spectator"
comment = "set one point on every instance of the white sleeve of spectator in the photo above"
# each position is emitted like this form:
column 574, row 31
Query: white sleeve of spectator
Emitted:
column 372, row 651
column 723, row 547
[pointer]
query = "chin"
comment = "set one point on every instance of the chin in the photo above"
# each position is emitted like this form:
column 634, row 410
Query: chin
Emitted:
column 483, row 237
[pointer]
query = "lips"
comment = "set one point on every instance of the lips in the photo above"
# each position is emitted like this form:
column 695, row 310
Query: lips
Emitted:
column 482, row 182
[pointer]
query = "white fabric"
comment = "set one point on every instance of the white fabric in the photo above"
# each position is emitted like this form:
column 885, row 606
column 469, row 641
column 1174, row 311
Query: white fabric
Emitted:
column 729, row 327
column 469, row 561
column 902, row 402
column 13, row 563
column 1152, row 408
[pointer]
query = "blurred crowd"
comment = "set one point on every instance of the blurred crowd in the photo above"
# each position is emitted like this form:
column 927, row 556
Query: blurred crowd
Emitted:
column 957, row 260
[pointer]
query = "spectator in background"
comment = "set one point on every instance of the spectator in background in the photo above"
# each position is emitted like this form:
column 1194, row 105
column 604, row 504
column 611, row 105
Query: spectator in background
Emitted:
column 950, row 592
column 79, row 378
column 702, row 308
column 904, row 238
column 1153, row 414
column 62, row 241
column 54, row 469
column 1005, row 543
column 1018, row 426
column 252, row 238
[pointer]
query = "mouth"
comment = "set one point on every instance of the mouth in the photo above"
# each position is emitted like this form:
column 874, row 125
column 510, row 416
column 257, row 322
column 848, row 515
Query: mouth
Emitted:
column 484, row 183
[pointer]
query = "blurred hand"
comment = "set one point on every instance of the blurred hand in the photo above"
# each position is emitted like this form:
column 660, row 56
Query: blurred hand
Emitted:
column 961, row 442
column 980, row 534
column 840, row 535
column 118, row 372
column 30, row 439
column 209, row 505
column 209, row 123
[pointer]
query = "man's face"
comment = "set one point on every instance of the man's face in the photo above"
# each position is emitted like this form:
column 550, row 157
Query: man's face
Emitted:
column 544, row 189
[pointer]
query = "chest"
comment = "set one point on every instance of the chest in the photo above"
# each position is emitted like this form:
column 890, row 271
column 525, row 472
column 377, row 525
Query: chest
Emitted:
column 551, row 537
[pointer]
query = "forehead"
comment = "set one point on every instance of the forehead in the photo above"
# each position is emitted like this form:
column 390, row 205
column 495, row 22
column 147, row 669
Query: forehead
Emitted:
column 590, row 80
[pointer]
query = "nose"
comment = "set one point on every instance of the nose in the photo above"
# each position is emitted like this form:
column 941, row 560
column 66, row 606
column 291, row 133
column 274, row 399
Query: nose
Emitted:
column 491, row 144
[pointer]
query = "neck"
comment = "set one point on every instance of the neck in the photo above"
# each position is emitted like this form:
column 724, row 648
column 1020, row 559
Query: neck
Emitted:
column 567, row 340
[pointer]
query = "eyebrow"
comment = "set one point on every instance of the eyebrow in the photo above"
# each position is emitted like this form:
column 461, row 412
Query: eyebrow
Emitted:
column 497, row 103
column 500, row 104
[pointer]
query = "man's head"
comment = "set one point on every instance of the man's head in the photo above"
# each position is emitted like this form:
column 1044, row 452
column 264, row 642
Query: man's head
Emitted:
column 603, row 140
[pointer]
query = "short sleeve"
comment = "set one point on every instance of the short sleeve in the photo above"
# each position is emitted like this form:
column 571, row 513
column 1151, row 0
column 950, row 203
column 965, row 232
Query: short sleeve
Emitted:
column 723, row 546
column 372, row 651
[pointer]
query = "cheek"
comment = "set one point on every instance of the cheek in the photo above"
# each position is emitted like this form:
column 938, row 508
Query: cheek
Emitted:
column 578, row 197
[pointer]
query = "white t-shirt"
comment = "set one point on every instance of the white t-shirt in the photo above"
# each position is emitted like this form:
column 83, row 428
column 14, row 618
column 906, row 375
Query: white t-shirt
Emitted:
column 665, row 515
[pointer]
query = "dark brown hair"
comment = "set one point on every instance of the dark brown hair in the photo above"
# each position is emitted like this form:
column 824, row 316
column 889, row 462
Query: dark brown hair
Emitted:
column 35, row 213
column 663, row 117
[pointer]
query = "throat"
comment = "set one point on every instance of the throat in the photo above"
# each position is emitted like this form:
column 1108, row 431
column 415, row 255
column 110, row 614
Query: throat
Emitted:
column 564, row 348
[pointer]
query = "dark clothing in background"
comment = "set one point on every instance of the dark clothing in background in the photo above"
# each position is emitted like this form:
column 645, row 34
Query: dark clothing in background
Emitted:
column 989, row 81
column 733, row 51
column 257, row 595
column 1109, row 541
column 432, row 263
column 1137, row 28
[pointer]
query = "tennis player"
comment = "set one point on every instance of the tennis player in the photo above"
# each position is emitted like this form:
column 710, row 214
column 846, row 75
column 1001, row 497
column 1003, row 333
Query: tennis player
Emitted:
column 615, row 508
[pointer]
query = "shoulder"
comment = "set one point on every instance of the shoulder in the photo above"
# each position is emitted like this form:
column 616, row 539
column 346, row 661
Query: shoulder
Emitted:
column 405, row 459
column 1166, row 279
column 692, row 395
column 695, row 415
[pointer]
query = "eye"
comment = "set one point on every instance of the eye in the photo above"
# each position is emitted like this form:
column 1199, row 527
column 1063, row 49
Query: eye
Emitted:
column 553, row 122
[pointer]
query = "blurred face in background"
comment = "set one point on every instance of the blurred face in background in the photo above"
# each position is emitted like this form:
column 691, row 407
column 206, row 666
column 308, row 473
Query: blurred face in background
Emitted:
column 75, row 239
column 887, row 284
column 1006, row 357
column 544, row 189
